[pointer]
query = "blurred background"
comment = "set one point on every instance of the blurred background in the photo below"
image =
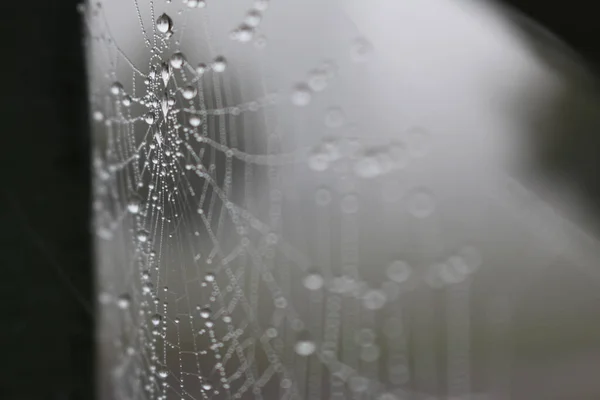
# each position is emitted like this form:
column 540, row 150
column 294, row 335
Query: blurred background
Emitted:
column 47, row 329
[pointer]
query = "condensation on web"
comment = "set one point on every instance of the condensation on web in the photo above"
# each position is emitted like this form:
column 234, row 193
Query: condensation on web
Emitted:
column 252, row 241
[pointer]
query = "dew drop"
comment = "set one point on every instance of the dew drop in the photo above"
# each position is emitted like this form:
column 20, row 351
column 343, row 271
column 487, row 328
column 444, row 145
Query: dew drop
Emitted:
column 149, row 118
column 142, row 236
column 219, row 64
column 398, row 271
column 195, row 121
column 201, row 68
column 164, row 24
column 368, row 166
column 209, row 277
column 317, row 80
column 374, row 299
column 205, row 313
column 189, row 92
column 253, row 18
column 318, row 161
column 163, row 373
column 147, row 287
column 116, row 88
column 206, row 385
column 177, row 60
column 156, row 319
column 244, row 33
column 126, row 100
column 280, row 302
column 313, row 281
column 305, row 347
column 301, row 95
column 98, row 116
column 124, row 301
column 133, row 206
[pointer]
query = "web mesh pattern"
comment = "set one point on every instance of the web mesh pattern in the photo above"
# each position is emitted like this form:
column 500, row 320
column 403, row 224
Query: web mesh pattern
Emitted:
column 241, row 258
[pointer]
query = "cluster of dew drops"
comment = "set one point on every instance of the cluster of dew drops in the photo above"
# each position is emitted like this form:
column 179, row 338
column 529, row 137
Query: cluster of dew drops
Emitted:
column 160, row 101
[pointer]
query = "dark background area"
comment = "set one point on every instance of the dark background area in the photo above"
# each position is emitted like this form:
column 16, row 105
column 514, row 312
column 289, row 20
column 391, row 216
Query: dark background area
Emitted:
column 46, row 323
column 46, row 283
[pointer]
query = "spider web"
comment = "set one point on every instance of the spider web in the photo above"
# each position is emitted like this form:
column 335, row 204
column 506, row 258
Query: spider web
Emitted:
column 230, row 246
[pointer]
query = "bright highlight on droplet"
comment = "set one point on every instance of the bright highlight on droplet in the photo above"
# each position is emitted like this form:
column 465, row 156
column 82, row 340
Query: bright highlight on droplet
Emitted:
column 305, row 347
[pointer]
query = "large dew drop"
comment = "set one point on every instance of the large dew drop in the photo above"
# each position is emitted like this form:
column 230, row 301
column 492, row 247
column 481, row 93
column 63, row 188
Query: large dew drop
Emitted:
column 195, row 121
column 164, row 23
column 205, row 313
column 149, row 118
column 189, row 92
column 219, row 64
column 209, row 277
column 177, row 60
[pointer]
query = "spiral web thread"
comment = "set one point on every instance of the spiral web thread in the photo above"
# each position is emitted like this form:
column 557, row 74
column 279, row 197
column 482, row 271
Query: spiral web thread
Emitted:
column 203, row 298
